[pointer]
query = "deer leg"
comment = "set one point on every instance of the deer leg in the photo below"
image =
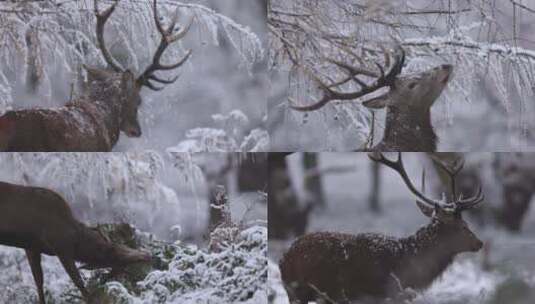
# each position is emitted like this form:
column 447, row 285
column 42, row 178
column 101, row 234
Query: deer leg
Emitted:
column 34, row 258
column 70, row 267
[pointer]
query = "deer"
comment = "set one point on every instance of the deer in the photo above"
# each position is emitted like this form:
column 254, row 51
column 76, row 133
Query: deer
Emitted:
column 40, row 221
column 408, row 101
column 109, row 104
column 344, row 267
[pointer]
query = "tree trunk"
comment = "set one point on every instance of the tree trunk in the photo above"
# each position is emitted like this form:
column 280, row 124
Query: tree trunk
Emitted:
column 313, row 183
column 285, row 216
column 252, row 172
column 374, row 200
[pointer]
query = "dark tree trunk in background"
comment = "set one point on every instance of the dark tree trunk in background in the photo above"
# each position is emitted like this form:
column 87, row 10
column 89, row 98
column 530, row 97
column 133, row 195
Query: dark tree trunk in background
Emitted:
column 285, row 216
column 34, row 72
column 517, row 199
column 515, row 171
column 252, row 173
column 265, row 4
column 374, row 200
column 313, row 183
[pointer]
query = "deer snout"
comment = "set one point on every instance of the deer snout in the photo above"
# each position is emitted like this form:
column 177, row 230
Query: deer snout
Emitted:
column 446, row 70
column 477, row 245
column 133, row 132
column 131, row 256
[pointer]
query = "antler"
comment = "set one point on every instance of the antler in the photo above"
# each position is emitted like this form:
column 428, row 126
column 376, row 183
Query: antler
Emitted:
column 451, row 171
column 461, row 204
column 400, row 168
column 101, row 21
column 383, row 80
column 457, row 205
column 167, row 38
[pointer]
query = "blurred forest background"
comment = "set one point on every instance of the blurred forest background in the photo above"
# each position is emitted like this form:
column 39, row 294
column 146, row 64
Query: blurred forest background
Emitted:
column 347, row 192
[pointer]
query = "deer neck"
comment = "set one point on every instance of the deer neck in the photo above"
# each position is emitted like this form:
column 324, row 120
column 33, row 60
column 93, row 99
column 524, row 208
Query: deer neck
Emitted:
column 104, row 105
column 96, row 252
column 424, row 257
column 91, row 250
column 408, row 129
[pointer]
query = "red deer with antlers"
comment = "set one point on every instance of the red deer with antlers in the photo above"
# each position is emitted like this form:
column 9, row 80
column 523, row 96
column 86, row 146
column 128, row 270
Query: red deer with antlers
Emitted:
column 40, row 221
column 408, row 102
column 93, row 122
column 344, row 267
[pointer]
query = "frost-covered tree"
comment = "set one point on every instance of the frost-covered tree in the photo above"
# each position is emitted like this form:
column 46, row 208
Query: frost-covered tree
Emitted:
column 45, row 43
column 489, row 43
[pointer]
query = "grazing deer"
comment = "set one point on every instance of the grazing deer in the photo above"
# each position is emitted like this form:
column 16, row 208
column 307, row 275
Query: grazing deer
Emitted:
column 408, row 102
column 343, row 267
column 41, row 222
column 93, row 122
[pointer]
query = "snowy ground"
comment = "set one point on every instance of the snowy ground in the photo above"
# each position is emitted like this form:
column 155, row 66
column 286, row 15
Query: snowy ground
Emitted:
column 512, row 259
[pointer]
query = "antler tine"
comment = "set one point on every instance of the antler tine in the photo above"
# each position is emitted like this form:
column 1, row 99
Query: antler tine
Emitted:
column 101, row 21
column 464, row 204
column 400, row 168
column 167, row 38
column 329, row 94
column 398, row 65
column 461, row 204
column 452, row 172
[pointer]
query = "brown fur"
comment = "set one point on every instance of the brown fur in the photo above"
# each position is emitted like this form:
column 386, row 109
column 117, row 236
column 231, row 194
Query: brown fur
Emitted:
column 89, row 124
column 408, row 125
column 347, row 267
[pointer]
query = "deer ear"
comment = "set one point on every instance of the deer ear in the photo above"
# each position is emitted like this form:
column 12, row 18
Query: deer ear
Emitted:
column 96, row 74
column 426, row 210
column 376, row 103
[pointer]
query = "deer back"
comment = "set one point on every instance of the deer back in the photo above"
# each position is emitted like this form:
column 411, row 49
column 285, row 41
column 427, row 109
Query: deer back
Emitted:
column 340, row 265
column 35, row 217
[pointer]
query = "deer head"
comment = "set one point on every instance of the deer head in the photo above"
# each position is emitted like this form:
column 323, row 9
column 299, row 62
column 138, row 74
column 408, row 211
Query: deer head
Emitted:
column 451, row 229
column 130, row 85
column 418, row 91
column 98, row 251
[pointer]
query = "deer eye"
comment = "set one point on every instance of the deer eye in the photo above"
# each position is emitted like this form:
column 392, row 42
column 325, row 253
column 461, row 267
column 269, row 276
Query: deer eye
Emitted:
column 412, row 85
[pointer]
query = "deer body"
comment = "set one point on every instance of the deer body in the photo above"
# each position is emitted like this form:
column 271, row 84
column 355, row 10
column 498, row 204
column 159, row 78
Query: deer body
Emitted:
column 41, row 222
column 90, row 124
column 344, row 267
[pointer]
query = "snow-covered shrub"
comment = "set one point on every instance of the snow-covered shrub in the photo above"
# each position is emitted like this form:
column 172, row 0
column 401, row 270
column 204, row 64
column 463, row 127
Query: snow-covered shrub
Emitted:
column 180, row 273
column 228, row 137
column 235, row 274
